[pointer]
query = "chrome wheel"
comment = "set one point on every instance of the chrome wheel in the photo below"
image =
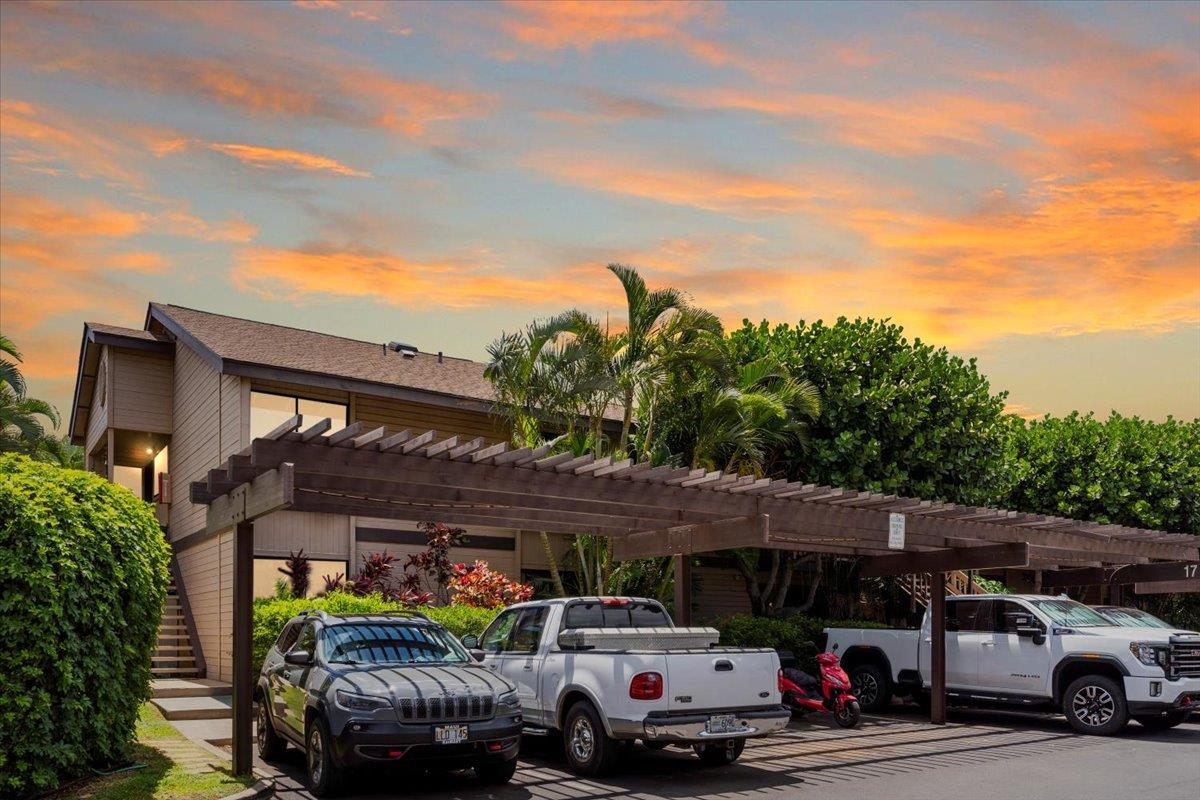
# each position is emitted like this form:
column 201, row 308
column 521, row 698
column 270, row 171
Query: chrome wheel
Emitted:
column 316, row 753
column 865, row 688
column 583, row 740
column 1093, row 705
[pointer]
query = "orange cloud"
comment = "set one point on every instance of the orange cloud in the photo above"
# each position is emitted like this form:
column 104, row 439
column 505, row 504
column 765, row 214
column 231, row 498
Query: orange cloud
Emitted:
column 711, row 188
column 315, row 271
column 360, row 11
column 264, row 87
column 265, row 157
column 581, row 25
column 38, row 139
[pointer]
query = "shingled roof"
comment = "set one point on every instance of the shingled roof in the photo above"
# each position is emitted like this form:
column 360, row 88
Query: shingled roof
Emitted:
column 241, row 344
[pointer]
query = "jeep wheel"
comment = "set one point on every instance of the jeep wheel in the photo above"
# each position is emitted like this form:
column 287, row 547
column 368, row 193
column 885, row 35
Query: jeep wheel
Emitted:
column 719, row 754
column 589, row 750
column 324, row 776
column 870, row 687
column 270, row 744
column 1161, row 722
column 1095, row 704
column 496, row 773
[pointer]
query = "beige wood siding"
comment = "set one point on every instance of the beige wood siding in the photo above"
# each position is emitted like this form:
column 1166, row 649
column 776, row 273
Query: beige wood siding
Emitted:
column 98, row 414
column 533, row 555
column 718, row 593
column 207, row 571
column 207, row 417
column 400, row 414
column 319, row 535
column 141, row 391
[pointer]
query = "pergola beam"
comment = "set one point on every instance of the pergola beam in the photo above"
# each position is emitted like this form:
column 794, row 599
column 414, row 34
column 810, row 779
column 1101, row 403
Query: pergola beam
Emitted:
column 701, row 537
column 1155, row 573
column 269, row 492
column 1015, row 554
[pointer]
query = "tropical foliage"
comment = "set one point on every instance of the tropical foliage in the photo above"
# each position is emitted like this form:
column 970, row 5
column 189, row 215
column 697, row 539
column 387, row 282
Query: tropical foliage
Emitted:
column 26, row 423
column 481, row 586
column 83, row 577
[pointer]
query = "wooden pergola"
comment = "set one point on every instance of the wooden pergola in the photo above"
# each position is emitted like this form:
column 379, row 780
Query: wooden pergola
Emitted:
column 647, row 510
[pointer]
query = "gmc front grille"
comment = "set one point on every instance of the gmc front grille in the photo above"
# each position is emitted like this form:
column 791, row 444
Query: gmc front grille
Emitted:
column 1184, row 660
column 447, row 709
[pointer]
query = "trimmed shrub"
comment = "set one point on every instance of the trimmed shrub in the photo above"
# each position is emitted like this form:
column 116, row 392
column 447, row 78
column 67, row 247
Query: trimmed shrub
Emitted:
column 83, row 576
column 271, row 614
column 801, row 634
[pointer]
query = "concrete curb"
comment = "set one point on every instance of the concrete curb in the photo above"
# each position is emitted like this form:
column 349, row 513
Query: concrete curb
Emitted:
column 262, row 788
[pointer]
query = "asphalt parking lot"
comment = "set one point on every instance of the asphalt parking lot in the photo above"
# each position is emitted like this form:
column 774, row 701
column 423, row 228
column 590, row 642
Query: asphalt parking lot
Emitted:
column 979, row 754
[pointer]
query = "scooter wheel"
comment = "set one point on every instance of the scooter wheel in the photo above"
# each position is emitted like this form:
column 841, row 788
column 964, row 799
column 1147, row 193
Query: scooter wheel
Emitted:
column 848, row 716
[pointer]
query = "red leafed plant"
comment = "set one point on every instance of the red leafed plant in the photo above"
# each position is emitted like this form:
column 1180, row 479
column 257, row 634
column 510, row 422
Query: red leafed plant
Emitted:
column 432, row 567
column 480, row 586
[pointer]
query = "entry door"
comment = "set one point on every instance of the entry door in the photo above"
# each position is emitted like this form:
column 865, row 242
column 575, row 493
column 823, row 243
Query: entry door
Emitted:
column 521, row 663
column 1011, row 663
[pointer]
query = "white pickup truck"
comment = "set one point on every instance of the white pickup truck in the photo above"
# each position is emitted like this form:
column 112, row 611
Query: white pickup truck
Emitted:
column 1033, row 651
column 602, row 670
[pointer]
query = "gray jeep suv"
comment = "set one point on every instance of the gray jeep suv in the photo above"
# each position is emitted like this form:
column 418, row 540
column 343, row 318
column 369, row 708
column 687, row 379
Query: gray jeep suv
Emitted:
column 383, row 689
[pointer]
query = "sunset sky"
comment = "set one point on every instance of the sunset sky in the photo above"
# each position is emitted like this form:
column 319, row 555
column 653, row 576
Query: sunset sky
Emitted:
column 1016, row 182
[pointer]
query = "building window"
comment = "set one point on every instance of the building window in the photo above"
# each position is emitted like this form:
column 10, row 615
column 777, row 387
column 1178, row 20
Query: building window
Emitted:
column 267, row 574
column 268, row 411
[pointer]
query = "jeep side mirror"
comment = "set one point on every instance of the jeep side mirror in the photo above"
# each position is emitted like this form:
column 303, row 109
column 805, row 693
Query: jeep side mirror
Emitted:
column 298, row 658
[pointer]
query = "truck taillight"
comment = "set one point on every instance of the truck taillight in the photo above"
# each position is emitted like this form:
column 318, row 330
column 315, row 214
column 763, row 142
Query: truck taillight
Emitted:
column 646, row 686
column 614, row 602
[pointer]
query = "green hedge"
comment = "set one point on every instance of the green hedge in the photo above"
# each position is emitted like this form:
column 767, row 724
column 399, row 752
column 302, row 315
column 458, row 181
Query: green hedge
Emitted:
column 799, row 633
column 83, row 576
column 271, row 614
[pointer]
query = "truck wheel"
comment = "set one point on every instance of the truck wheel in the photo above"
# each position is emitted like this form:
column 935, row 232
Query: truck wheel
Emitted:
column 270, row 744
column 496, row 773
column 1161, row 722
column 1095, row 704
column 589, row 750
column 324, row 776
column 870, row 686
column 719, row 754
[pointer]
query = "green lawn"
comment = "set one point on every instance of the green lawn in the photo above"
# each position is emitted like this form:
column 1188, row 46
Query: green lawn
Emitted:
column 162, row 778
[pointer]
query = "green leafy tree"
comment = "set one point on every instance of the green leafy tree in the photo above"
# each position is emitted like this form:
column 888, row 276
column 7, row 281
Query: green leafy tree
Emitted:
column 1122, row 470
column 26, row 423
column 898, row 415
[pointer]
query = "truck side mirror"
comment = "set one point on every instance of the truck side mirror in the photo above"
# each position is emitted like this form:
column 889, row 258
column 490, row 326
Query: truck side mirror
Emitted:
column 470, row 641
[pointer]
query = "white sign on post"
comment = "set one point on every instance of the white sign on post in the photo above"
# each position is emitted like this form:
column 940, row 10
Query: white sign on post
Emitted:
column 895, row 531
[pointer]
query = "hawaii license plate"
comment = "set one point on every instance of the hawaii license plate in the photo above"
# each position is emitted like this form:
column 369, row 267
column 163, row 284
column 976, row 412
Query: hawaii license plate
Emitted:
column 722, row 723
column 449, row 734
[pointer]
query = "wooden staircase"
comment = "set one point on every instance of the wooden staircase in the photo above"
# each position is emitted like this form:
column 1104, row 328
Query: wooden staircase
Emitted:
column 174, row 657
column 917, row 586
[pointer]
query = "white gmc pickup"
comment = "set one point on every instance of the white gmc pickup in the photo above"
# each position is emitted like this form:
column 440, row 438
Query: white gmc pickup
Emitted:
column 606, row 669
column 1035, row 651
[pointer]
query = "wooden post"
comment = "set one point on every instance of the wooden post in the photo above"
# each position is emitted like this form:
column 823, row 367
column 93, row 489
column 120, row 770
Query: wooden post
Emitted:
column 683, row 590
column 243, row 669
column 937, row 650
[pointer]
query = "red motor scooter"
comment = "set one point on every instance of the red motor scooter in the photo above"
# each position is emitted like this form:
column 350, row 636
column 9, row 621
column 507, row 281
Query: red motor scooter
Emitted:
column 831, row 693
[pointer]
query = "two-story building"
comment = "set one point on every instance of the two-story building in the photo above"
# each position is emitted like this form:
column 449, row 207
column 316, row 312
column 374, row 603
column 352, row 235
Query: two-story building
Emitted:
column 156, row 408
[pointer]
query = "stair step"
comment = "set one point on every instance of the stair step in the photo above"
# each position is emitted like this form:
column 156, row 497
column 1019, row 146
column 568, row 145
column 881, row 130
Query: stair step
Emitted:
column 177, row 660
column 166, row 649
column 188, row 687
column 173, row 672
column 204, row 707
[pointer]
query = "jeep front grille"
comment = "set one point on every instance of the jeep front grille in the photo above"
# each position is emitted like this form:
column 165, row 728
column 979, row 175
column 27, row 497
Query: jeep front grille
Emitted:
column 1184, row 661
column 447, row 709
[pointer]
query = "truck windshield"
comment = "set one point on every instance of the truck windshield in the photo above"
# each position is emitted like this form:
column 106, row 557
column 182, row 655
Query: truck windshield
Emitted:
column 1131, row 618
column 613, row 614
column 1070, row 613
column 386, row 643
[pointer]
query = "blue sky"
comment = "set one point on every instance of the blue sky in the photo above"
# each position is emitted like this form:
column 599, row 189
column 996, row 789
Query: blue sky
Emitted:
column 1017, row 181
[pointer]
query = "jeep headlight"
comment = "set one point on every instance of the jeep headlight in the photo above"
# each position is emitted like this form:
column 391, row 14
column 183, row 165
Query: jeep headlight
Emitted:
column 1150, row 654
column 509, row 699
column 361, row 702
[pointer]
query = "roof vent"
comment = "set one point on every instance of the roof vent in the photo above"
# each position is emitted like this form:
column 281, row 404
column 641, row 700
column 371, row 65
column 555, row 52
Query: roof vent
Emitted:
column 406, row 350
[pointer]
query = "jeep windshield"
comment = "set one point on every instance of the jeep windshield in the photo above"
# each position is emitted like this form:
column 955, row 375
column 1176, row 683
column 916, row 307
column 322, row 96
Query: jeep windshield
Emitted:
column 1070, row 614
column 387, row 643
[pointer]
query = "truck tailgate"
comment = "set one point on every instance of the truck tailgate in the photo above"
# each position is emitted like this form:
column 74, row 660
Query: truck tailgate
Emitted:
column 717, row 679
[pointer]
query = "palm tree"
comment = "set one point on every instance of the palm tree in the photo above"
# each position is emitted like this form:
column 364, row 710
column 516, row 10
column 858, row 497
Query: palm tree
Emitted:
column 647, row 313
column 23, row 419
